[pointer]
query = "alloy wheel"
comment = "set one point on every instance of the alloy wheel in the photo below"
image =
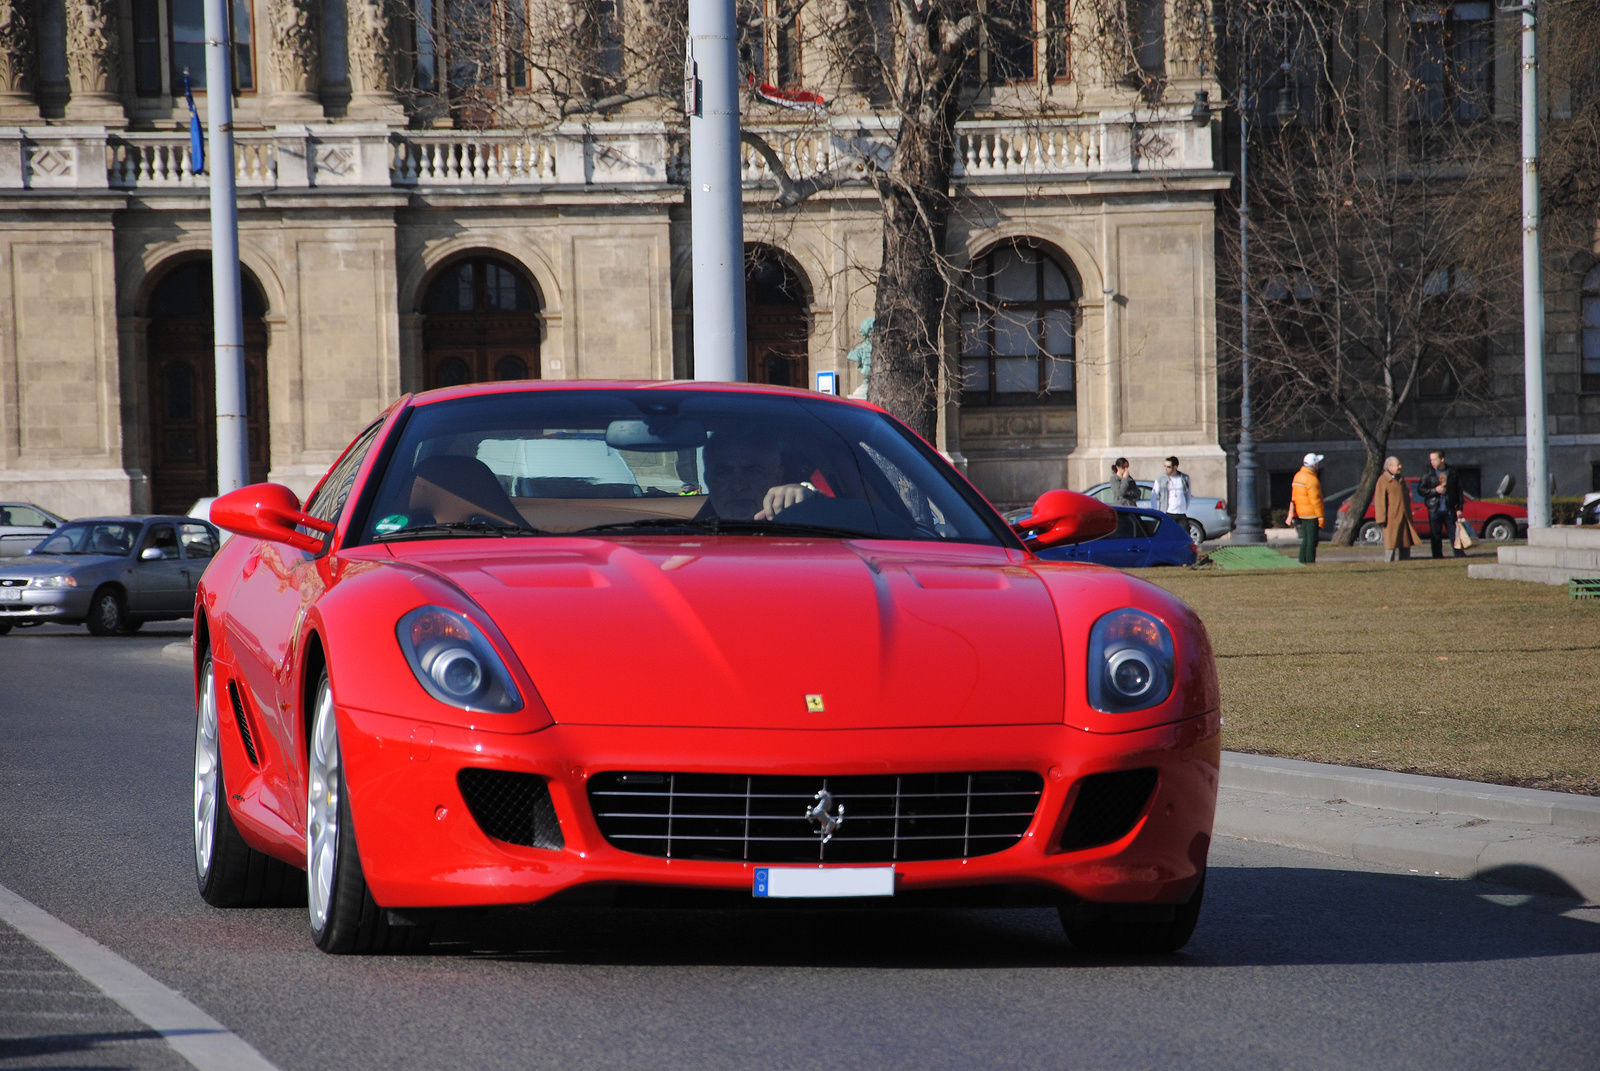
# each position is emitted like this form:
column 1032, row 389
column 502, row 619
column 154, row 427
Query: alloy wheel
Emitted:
column 322, row 810
column 207, row 760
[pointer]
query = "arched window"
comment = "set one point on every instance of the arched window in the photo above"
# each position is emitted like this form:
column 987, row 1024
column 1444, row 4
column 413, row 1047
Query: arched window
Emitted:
column 777, row 323
column 1591, row 331
column 482, row 324
column 1018, row 332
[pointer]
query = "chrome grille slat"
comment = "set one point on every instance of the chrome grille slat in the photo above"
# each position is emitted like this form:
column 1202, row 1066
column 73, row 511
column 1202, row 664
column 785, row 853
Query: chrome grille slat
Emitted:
column 761, row 818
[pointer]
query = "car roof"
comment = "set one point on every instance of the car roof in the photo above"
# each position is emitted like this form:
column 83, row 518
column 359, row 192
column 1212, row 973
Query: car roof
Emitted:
column 141, row 518
column 472, row 390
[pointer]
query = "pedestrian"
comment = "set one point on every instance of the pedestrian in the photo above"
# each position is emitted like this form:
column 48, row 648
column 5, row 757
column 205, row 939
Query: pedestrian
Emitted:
column 1305, row 507
column 1172, row 493
column 1391, row 507
column 1124, row 488
column 1441, row 493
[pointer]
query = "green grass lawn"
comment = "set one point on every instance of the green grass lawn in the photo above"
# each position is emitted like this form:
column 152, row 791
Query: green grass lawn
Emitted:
column 1408, row 667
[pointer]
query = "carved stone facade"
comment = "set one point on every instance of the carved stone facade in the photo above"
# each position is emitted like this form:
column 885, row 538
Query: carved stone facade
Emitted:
column 93, row 62
column 17, row 60
column 296, row 58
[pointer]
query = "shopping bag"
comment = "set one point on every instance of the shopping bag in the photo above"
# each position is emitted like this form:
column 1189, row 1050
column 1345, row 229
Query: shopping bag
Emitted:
column 1463, row 538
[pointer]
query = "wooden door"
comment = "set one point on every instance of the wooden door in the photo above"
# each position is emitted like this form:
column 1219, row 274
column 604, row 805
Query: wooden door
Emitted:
column 479, row 348
column 777, row 345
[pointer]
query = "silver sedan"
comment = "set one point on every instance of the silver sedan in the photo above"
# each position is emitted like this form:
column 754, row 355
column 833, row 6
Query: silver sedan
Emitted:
column 22, row 526
column 1207, row 517
column 110, row 573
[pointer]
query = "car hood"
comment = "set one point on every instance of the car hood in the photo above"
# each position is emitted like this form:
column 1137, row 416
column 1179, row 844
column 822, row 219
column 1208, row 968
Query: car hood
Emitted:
column 769, row 633
column 51, row 564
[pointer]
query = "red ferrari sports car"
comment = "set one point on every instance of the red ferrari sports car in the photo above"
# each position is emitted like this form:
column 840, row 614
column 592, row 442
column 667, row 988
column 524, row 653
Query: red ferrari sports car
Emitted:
column 526, row 640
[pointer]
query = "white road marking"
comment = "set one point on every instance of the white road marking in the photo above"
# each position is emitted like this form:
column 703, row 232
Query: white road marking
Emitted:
column 193, row 1034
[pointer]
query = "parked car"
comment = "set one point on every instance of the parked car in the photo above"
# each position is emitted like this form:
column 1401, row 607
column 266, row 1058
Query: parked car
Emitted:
column 1143, row 538
column 1208, row 516
column 1589, row 512
column 512, row 643
column 1492, row 522
column 22, row 526
column 110, row 573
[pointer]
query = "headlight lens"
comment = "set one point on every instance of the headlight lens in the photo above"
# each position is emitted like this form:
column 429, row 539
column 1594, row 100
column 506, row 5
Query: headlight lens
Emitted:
column 1130, row 662
column 62, row 581
column 454, row 663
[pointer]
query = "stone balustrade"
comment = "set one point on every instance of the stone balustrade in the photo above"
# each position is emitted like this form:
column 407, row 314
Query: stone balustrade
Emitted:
column 608, row 154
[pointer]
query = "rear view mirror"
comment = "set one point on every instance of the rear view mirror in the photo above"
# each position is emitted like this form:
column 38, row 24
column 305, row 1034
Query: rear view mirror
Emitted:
column 150, row 554
column 655, row 434
column 268, row 511
column 1062, row 516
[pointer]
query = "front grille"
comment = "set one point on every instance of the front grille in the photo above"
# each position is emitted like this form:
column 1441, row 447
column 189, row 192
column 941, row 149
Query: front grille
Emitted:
column 244, row 725
column 13, row 581
column 513, row 807
column 1107, row 806
column 763, row 818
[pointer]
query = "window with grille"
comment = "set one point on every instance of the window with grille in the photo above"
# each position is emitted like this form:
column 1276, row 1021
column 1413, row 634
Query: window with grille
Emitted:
column 1018, row 343
column 1451, row 54
column 181, row 26
column 1590, row 370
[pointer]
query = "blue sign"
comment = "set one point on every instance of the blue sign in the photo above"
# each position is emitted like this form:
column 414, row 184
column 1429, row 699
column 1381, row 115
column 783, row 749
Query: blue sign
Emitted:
column 828, row 383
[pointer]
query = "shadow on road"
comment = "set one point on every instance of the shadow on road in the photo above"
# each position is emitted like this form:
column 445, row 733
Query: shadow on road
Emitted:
column 1254, row 916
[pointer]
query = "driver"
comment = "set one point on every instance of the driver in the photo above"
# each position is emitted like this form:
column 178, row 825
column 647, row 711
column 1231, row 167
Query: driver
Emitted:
column 744, row 473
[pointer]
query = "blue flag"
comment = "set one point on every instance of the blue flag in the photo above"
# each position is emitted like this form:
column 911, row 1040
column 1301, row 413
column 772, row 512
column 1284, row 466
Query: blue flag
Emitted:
column 197, row 143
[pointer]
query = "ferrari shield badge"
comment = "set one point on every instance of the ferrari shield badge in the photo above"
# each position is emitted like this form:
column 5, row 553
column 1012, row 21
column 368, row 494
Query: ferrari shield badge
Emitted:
column 814, row 704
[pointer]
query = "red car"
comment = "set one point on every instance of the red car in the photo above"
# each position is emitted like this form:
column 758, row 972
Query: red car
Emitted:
column 525, row 640
column 1493, row 522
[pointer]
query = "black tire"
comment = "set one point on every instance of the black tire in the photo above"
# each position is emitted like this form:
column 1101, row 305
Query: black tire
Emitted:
column 231, row 873
column 1371, row 534
column 354, row 923
column 1132, row 929
column 1197, row 532
column 5, row 627
column 129, row 627
column 108, row 612
column 1499, row 530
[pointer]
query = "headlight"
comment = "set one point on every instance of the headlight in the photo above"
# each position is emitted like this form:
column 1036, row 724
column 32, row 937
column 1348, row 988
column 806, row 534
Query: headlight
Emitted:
column 62, row 581
column 454, row 663
column 1130, row 662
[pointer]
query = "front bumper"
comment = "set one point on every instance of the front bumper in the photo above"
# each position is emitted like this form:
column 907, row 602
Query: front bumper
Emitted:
column 46, row 604
column 420, row 847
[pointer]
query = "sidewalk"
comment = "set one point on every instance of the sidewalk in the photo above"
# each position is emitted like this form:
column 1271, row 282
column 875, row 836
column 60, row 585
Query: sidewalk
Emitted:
column 1545, row 842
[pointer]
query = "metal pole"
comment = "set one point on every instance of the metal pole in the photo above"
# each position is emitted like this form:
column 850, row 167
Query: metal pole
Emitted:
column 233, row 448
column 715, row 204
column 1533, row 386
column 1247, row 516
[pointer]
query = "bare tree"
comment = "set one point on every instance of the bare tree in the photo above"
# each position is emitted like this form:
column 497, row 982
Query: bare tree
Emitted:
column 1371, row 267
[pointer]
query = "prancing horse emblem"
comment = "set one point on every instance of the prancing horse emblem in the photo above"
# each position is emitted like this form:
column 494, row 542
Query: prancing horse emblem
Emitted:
column 818, row 813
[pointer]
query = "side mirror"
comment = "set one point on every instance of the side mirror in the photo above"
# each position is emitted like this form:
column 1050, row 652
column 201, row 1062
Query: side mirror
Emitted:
column 268, row 511
column 1063, row 516
column 150, row 554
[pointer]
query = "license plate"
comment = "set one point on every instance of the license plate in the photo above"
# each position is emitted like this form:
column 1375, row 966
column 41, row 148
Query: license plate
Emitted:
column 10, row 594
column 813, row 881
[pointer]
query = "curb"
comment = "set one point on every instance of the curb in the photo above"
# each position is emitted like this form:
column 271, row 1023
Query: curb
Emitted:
column 1543, row 841
column 179, row 651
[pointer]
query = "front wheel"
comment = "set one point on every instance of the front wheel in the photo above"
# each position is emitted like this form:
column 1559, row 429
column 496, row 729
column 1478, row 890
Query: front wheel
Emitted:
column 108, row 613
column 1371, row 534
column 1132, row 929
column 1499, row 530
column 344, row 917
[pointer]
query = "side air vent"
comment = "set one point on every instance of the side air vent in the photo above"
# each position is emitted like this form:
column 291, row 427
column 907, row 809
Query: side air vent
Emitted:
column 244, row 725
column 1107, row 807
column 513, row 807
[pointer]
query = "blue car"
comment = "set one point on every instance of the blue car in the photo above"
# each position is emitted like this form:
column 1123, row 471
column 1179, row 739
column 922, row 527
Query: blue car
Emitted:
column 1144, row 537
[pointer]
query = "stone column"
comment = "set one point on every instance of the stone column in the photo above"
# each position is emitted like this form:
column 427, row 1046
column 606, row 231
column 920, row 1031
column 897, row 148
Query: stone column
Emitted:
column 93, row 68
column 296, row 59
column 17, row 69
column 371, row 41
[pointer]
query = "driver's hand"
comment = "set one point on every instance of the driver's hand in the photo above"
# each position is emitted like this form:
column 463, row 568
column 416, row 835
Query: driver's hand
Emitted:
column 781, row 498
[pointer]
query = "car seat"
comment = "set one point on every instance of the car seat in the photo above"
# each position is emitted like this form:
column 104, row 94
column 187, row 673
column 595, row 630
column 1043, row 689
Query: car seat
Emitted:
column 451, row 489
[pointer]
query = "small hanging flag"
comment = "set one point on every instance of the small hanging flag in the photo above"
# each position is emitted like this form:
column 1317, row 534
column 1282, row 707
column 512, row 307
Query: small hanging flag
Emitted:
column 801, row 100
column 197, row 143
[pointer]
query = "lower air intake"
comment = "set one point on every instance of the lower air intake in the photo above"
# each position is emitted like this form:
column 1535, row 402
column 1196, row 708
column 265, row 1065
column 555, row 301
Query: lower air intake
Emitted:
column 512, row 807
column 1107, row 807
column 762, row 818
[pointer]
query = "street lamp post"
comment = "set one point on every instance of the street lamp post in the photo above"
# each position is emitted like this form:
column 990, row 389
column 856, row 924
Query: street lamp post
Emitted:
column 1247, row 527
column 1533, row 392
column 716, row 208
column 233, row 446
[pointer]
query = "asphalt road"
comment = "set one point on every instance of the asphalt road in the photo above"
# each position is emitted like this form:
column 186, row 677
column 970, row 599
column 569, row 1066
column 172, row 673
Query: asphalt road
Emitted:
column 1300, row 961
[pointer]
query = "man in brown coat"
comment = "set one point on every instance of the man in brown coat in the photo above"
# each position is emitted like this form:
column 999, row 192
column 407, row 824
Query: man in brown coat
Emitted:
column 1391, row 507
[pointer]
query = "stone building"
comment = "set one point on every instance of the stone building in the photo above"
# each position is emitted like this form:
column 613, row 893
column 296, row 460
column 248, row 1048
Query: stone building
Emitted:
column 386, row 249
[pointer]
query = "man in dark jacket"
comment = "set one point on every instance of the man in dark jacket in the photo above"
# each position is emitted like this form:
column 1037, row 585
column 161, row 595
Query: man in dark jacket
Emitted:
column 1441, row 492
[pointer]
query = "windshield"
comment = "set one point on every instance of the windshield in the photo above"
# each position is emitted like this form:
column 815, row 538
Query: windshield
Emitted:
column 91, row 537
column 609, row 461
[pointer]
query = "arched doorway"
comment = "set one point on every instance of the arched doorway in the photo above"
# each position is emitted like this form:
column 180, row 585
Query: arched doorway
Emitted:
column 183, row 387
column 482, row 324
column 778, row 323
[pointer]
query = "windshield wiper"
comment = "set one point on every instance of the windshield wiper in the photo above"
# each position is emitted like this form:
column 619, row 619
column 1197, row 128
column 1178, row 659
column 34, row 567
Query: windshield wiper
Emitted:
column 721, row 525
column 471, row 528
